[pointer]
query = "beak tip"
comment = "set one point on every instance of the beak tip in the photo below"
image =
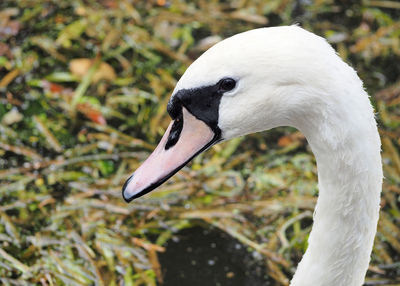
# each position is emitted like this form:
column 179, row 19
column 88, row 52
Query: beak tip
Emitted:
column 124, row 192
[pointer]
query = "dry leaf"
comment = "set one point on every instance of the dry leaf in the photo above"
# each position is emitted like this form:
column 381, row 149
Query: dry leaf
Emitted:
column 249, row 17
column 285, row 141
column 80, row 67
column 91, row 112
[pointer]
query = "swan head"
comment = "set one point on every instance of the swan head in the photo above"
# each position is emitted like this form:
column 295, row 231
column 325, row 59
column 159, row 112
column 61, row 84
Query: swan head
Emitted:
column 251, row 82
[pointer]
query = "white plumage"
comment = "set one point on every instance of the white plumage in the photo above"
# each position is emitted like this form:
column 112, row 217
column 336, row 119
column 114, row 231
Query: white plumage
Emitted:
column 287, row 76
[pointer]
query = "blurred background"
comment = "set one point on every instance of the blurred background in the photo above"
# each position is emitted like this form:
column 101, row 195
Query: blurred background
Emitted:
column 83, row 91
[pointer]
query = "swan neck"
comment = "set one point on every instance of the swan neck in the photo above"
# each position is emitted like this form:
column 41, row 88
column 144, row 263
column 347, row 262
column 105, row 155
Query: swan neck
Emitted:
column 347, row 150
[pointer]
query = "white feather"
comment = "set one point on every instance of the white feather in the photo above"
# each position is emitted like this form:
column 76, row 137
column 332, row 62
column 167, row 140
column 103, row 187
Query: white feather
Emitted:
column 288, row 76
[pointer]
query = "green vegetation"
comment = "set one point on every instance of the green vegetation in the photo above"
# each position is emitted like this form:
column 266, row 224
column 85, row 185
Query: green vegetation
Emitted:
column 83, row 92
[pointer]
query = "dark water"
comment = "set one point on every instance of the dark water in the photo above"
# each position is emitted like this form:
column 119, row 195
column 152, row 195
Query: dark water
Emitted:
column 199, row 256
column 207, row 257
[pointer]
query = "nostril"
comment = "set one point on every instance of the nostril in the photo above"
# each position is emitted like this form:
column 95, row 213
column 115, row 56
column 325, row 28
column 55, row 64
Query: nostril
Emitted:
column 175, row 132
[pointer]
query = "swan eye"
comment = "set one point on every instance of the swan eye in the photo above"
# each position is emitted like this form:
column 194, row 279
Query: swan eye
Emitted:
column 227, row 84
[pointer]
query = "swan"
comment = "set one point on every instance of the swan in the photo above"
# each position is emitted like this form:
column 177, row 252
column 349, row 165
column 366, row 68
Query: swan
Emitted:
column 285, row 76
